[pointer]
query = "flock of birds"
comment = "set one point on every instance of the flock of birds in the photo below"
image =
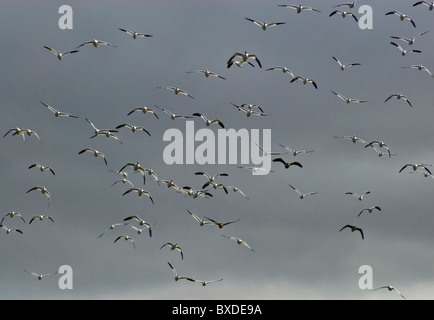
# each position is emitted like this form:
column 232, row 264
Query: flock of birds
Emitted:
column 239, row 59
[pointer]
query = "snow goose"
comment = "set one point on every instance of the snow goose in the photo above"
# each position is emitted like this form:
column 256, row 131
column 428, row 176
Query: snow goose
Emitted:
column 140, row 193
column 59, row 54
column 133, row 128
column 265, row 25
column 141, row 223
column 348, row 100
column 177, row 91
column 344, row 14
column 299, row 9
column 95, row 152
column 245, row 57
column 12, row 214
column 126, row 238
column 210, row 178
column 430, row 5
column 207, row 73
column 305, row 81
column 202, row 222
column 16, row 132
column 267, row 153
column 283, row 69
column 174, row 246
column 350, row 5
column 172, row 115
column 238, row 241
column 402, row 16
column 96, row 43
column 191, row 192
column 135, row 34
column 295, row 152
column 41, row 276
column 357, row 196
column 57, row 113
column 42, row 168
column 416, row 166
column 370, row 210
column 43, row 190
column 404, row 52
column 41, row 218
column 301, row 194
column 420, row 68
column 236, row 189
column 342, row 66
column 409, row 41
column 390, row 288
column 399, row 96
column 8, row 230
column 207, row 121
column 354, row 139
column 145, row 110
column 177, row 276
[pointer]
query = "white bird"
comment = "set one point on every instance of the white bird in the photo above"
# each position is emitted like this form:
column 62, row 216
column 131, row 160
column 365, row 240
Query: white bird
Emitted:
column 402, row 16
column 42, row 168
column 191, row 192
column 177, row 91
column 172, row 115
column 430, row 5
column 133, row 128
column 141, row 224
column 305, row 81
column 285, row 70
column 41, row 276
column 12, row 214
column 357, row 196
column 41, row 218
column 404, row 52
column 409, row 41
column 267, row 153
column 43, row 190
column 202, row 222
column 140, row 193
column 300, row 8
column 265, row 25
column 95, row 152
column 126, row 238
column 380, row 144
column 31, row 133
column 399, row 96
column 135, row 34
column 236, row 189
column 177, row 276
column 416, row 166
column 301, row 194
column 57, row 113
column 238, row 241
column 350, row 5
column 370, row 210
column 97, row 131
column 95, row 43
column 354, row 139
column 59, row 54
column 140, row 231
column 381, row 153
column 254, row 169
column 295, row 152
column 108, row 135
column 348, row 100
column 112, row 227
column 137, row 167
column 344, row 14
column 342, row 66
column 245, row 57
column 250, row 112
column 145, row 110
column 124, row 181
column 390, row 288
column 207, row 73
column 16, row 132
column 210, row 178
column 8, row 230
column 207, row 121
column 174, row 246
column 420, row 68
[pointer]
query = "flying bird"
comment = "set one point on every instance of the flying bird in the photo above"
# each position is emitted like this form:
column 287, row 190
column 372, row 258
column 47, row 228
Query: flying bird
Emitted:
column 97, row 131
column 288, row 164
column 41, row 276
column 8, row 230
column 380, row 144
column 354, row 139
column 59, row 54
column 41, row 218
column 207, row 121
column 344, row 14
column 191, row 192
column 399, row 96
column 174, row 246
column 301, row 194
column 295, row 152
column 126, row 238
column 416, row 166
column 299, row 9
column 12, row 214
column 430, row 5
column 348, row 100
column 112, row 227
column 57, row 113
column 254, row 169
column 210, row 178
column 420, row 68
column 239, row 64
column 305, row 81
column 357, row 196
column 172, row 115
column 350, row 5
column 221, row 224
column 342, row 66
column 265, row 25
column 409, row 41
column 141, row 223
column 370, row 210
column 42, row 168
column 96, row 43
column 404, row 52
column 135, row 34
column 16, row 132
column 238, row 241
column 145, row 110
column 283, row 69
column 96, row 153
column 43, row 190
column 236, row 189
column 354, row 228
column 390, row 288
column 245, row 58
column 202, row 222
column 402, row 16
column 207, row 73
column 140, row 193
column 177, row 91
column 267, row 153
column 133, row 128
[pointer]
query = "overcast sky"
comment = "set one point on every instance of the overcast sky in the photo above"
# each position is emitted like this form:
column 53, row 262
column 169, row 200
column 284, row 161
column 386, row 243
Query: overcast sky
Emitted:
column 299, row 251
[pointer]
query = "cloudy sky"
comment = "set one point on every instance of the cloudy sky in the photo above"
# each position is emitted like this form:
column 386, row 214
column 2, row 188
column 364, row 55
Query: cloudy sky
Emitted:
column 299, row 251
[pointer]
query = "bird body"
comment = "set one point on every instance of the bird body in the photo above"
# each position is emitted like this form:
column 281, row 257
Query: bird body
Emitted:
column 354, row 228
